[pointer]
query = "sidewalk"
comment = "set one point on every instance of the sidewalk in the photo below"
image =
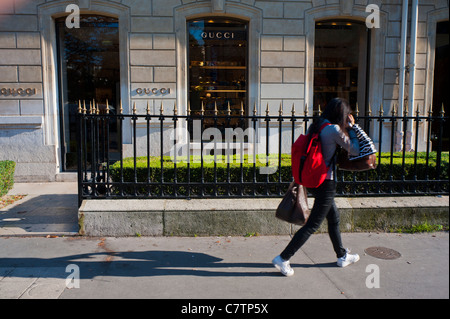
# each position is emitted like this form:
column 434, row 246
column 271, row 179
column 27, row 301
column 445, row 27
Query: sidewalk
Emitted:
column 35, row 265
column 48, row 209
column 221, row 267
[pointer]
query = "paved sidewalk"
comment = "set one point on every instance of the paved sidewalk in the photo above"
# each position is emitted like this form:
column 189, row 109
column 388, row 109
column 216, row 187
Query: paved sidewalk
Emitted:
column 221, row 267
column 48, row 209
column 36, row 260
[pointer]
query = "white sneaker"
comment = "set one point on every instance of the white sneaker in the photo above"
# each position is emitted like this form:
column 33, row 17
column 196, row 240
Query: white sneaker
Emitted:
column 283, row 266
column 348, row 259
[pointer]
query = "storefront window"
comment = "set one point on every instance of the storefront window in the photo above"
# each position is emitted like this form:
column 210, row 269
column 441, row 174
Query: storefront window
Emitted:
column 88, row 60
column 340, row 62
column 218, row 69
column 441, row 96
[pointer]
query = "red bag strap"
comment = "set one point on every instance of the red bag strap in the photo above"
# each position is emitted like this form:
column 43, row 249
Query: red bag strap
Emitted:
column 323, row 126
column 315, row 136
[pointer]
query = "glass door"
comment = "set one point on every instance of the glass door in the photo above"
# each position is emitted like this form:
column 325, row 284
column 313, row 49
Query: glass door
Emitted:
column 89, row 71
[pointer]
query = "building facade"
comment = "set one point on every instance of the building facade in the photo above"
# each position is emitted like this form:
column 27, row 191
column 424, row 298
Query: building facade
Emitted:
column 206, row 55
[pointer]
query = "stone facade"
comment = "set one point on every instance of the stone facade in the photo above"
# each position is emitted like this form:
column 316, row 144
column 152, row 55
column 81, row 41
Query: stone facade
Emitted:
column 153, row 54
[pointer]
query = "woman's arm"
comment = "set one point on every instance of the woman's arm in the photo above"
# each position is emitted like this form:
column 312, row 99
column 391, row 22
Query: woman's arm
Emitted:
column 348, row 142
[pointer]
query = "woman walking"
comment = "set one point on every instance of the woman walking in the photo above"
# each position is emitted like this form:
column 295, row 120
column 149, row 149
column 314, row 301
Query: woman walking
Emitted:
column 339, row 133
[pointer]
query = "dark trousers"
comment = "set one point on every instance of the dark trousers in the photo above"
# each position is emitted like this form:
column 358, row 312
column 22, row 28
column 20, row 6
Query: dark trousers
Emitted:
column 324, row 207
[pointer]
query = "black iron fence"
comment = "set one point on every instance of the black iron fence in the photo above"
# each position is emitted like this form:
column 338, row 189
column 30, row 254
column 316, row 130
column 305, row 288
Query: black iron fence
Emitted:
column 228, row 153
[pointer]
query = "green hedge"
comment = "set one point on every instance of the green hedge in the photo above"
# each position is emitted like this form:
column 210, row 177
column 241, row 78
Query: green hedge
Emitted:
column 249, row 171
column 6, row 176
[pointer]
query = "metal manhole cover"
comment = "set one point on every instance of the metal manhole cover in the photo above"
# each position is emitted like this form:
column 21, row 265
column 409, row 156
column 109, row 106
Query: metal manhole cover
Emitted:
column 382, row 253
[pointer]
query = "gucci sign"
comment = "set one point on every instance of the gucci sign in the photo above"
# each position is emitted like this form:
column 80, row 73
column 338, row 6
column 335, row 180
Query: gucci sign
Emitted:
column 154, row 91
column 217, row 35
column 18, row 91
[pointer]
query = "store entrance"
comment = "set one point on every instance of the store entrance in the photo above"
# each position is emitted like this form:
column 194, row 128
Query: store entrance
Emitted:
column 441, row 95
column 88, row 67
column 340, row 63
column 218, row 57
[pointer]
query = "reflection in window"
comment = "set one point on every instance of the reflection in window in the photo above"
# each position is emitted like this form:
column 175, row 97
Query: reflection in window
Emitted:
column 88, row 71
column 218, row 69
column 340, row 61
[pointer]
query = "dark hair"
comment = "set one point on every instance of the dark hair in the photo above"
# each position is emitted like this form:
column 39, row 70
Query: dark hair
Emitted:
column 336, row 111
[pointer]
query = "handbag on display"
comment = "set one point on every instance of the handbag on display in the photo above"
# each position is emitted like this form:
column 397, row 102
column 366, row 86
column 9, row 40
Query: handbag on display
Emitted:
column 367, row 158
column 294, row 206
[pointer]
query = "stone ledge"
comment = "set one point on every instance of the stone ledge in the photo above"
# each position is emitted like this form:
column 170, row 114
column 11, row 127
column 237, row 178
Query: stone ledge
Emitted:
column 237, row 217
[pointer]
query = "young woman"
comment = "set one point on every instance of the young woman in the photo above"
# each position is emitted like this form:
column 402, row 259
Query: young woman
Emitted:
column 339, row 133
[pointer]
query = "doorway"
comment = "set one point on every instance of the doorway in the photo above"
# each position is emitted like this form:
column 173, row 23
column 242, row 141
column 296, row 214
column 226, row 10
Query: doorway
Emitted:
column 218, row 70
column 341, row 52
column 441, row 95
column 88, row 71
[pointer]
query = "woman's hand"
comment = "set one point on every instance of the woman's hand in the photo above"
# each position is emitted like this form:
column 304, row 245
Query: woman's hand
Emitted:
column 351, row 120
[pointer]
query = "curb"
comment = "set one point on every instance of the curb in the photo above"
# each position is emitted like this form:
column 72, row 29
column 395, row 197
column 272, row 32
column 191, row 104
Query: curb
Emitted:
column 238, row 217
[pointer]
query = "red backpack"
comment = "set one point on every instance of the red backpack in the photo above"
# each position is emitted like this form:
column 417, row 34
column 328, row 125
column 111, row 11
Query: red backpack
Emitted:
column 308, row 166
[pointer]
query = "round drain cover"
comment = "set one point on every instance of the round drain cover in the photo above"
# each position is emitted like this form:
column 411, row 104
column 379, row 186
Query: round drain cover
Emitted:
column 382, row 253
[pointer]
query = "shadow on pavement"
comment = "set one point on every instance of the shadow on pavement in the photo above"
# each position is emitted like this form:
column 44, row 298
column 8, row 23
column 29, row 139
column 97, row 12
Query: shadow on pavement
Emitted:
column 55, row 213
column 146, row 264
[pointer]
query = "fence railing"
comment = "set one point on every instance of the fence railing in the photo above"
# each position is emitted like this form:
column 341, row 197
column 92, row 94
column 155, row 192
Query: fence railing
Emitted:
column 227, row 153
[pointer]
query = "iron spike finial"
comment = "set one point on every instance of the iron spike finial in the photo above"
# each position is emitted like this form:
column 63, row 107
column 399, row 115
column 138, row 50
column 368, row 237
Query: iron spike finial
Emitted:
column 107, row 107
column 394, row 110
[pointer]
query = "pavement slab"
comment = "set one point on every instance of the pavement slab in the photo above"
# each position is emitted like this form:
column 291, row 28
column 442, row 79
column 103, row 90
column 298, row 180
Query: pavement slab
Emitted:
column 221, row 268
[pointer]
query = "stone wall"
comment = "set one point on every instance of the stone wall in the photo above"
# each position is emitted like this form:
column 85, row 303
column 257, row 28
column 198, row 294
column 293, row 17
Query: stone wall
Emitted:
column 153, row 55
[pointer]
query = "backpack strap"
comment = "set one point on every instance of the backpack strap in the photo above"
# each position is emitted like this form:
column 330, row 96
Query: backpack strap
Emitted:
column 323, row 126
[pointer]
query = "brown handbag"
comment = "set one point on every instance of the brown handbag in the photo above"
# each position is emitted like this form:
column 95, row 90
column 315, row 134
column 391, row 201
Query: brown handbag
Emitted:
column 294, row 206
column 358, row 165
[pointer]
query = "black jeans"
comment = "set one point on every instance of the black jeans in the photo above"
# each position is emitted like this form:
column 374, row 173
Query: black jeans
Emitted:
column 324, row 207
